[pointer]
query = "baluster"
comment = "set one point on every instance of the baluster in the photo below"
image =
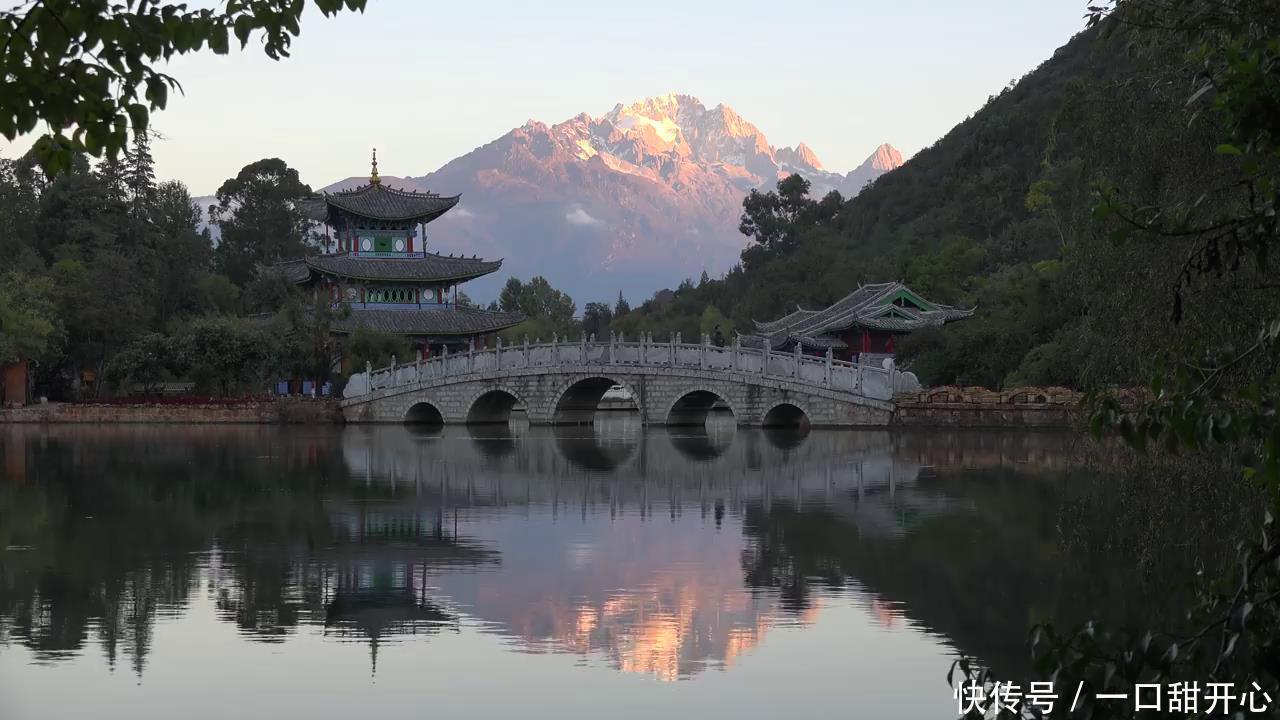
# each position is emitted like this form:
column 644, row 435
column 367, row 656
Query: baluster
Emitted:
column 395, row 373
column 582, row 354
column 644, row 347
column 733, row 352
column 764, row 355
column 827, row 379
column 368, row 377
column 497, row 352
column 555, row 349
column 613, row 342
column 702, row 351
column 798, row 360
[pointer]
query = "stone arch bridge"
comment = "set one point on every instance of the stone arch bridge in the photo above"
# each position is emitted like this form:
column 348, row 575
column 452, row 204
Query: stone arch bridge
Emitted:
column 672, row 383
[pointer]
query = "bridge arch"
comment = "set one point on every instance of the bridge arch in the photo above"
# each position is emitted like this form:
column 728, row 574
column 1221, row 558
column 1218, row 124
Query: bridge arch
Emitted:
column 492, row 406
column 423, row 412
column 694, row 404
column 576, row 401
column 788, row 413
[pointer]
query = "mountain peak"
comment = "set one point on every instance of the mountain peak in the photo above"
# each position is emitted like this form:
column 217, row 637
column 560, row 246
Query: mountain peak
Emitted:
column 801, row 156
column 885, row 158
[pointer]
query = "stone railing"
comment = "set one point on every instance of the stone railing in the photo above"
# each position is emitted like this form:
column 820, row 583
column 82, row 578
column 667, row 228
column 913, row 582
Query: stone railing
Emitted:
column 823, row 372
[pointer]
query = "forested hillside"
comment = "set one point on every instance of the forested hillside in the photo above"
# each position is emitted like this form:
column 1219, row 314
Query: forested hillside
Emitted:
column 999, row 214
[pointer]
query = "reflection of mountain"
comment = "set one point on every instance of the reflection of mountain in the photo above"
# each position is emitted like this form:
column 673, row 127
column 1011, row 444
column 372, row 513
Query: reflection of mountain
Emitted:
column 660, row 555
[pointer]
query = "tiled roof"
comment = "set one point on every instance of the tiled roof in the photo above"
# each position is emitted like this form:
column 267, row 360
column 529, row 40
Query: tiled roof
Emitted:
column 430, row 267
column 314, row 208
column 379, row 202
column 822, row 342
column 295, row 271
column 439, row 321
column 792, row 317
column 865, row 307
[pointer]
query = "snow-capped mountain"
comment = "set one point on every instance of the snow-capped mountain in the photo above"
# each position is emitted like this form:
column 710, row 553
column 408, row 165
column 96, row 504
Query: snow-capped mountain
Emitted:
column 636, row 199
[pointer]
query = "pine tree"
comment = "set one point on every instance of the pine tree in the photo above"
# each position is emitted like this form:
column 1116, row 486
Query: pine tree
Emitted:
column 112, row 173
column 621, row 308
column 140, row 173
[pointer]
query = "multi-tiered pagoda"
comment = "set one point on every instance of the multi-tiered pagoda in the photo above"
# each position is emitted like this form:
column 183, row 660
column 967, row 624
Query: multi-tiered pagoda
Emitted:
column 380, row 267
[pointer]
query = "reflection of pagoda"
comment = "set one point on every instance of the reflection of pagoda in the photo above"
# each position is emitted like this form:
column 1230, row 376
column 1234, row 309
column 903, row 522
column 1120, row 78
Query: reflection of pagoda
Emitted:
column 389, row 605
column 379, row 569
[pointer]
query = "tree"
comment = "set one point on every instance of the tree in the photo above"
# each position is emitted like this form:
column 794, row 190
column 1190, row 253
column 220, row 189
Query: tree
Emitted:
column 140, row 174
column 776, row 219
column 145, row 361
column 547, row 311
column 26, row 317
column 596, row 319
column 102, row 57
column 183, row 256
column 259, row 217
column 537, row 300
column 371, row 347
column 228, row 353
column 621, row 307
column 713, row 318
column 21, row 185
column 306, row 325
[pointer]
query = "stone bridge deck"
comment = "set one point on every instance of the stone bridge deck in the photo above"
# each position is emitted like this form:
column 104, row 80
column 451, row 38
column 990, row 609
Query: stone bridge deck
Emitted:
column 672, row 383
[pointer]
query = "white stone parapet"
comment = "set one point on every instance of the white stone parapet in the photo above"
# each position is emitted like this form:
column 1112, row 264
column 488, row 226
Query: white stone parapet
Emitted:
column 875, row 382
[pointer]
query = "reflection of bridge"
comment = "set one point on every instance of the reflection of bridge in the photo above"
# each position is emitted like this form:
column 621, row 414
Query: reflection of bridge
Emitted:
column 673, row 383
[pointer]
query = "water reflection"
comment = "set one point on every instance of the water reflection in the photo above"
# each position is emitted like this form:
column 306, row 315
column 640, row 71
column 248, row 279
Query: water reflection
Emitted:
column 655, row 552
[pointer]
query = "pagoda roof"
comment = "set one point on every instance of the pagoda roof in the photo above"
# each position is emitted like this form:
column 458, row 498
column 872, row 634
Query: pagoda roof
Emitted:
column 870, row 306
column 425, row 267
column 435, row 321
column 378, row 202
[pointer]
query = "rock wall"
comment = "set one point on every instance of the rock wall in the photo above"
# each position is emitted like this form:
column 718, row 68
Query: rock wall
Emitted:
column 285, row 410
column 954, row 406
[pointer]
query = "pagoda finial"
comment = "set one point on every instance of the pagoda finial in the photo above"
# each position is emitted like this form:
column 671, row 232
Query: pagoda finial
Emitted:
column 373, row 173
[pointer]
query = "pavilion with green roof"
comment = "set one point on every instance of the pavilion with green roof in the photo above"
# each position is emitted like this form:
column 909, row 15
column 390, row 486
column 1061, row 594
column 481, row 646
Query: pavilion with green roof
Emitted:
column 861, row 326
column 381, row 269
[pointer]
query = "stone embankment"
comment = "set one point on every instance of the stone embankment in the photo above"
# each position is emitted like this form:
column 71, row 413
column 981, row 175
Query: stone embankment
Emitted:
column 283, row 410
column 977, row 407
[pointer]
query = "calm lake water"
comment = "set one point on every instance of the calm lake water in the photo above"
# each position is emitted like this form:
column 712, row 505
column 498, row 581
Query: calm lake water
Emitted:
column 270, row 572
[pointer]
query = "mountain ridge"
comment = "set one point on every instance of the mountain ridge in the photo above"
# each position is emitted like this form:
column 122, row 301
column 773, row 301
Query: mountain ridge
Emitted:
column 636, row 199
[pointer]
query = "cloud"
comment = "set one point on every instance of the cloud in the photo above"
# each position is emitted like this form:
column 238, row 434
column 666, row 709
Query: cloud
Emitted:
column 580, row 217
column 461, row 212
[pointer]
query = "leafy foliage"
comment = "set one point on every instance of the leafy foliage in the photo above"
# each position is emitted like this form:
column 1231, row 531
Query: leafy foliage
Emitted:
column 367, row 347
column 88, row 70
column 260, row 221
column 26, row 317
column 547, row 311
column 1204, row 398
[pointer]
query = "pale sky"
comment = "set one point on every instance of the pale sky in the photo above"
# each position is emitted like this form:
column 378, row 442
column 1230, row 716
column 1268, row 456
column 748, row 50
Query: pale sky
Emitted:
column 425, row 82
